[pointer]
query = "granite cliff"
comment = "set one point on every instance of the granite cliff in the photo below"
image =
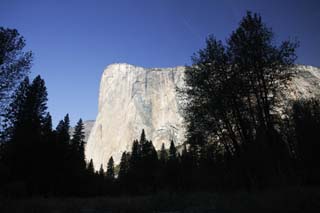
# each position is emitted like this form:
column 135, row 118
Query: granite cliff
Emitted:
column 133, row 98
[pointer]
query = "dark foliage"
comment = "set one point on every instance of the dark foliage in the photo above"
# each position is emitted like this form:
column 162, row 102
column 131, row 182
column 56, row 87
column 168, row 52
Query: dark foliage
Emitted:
column 14, row 64
column 232, row 103
column 35, row 158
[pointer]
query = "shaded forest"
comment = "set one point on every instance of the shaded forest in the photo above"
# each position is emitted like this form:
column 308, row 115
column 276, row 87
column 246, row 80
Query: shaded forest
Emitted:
column 241, row 134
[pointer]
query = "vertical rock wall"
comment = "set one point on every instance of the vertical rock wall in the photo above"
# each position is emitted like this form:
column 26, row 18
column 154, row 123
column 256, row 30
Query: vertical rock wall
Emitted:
column 131, row 99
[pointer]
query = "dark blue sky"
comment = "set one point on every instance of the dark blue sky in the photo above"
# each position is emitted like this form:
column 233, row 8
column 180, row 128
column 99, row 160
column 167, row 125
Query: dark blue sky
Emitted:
column 73, row 41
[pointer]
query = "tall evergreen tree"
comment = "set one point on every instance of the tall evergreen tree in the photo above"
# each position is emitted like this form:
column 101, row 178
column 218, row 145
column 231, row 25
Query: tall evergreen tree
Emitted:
column 62, row 130
column 47, row 127
column 25, row 117
column 123, row 175
column 173, row 171
column 172, row 152
column 124, row 167
column 90, row 167
column 143, row 137
column 78, row 140
column 163, row 155
column 110, row 169
column 15, row 111
column 135, row 155
column 101, row 171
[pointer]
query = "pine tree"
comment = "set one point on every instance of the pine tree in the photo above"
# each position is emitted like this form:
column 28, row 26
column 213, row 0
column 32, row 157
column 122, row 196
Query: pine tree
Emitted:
column 110, row 169
column 77, row 141
column 90, row 167
column 49, row 155
column 25, row 118
column 62, row 130
column 15, row 112
column 143, row 137
column 124, row 170
column 101, row 171
column 14, row 117
column 172, row 152
column 172, row 173
column 163, row 155
column 145, row 147
column 124, row 167
column 135, row 155
column 47, row 127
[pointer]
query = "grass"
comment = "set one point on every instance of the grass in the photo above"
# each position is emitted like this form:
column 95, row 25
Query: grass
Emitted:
column 280, row 200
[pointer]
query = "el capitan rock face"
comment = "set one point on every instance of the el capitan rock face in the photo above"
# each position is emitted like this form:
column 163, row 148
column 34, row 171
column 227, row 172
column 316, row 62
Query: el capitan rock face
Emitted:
column 131, row 99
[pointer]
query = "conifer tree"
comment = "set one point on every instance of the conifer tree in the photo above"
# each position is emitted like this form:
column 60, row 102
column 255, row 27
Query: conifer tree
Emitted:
column 172, row 168
column 25, row 118
column 163, row 155
column 172, row 152
column 14, row 146
column 90, row 167
column 101, row 171
column 124, row 170
column 110, row 169
column 66, row 158
column 78, row 142
column 15, row 111
column 62, row 130
column 47, row 127
column 124, row 167
column 143, row 137
column 135, row 155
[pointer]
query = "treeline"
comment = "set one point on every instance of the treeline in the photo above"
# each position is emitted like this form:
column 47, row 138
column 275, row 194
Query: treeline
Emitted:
column 144, row 170
column 35, row 158
column 211, row 167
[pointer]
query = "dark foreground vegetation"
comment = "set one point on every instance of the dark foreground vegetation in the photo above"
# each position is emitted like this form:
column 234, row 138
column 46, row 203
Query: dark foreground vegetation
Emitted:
column 247, row 148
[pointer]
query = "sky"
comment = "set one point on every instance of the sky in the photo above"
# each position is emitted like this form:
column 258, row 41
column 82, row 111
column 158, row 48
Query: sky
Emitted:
column 74, row 40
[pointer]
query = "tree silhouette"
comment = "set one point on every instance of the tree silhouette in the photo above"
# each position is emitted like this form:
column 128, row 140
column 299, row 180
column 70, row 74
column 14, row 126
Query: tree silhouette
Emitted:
column 90, row 167
column 25, row 117
column 62, row 130
column 173, row 167
column 110, row 170
column 163, row 155
column 123, row 176
column 14, row 64
column 232, row 96
column 78, row 142
column 124, row 167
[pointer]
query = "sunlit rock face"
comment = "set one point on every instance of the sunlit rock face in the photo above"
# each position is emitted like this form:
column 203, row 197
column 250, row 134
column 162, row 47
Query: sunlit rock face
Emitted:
column 131, row 99
column 306, row 84
column 134, row 98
